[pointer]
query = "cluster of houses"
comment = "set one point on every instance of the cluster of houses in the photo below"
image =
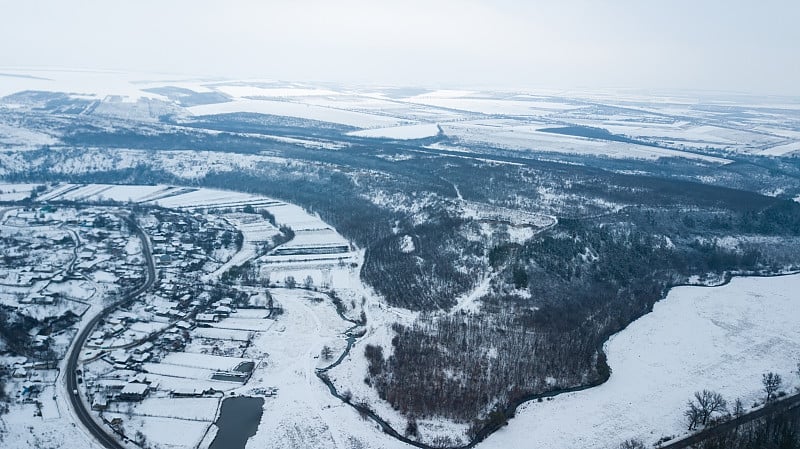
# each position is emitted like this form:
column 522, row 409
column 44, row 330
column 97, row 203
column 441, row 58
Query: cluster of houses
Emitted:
column 134, row 389
column 28, row 259
column 190, row 307
column 43, row 256
column 182, row 242
column 29, row 373
column 179, row 304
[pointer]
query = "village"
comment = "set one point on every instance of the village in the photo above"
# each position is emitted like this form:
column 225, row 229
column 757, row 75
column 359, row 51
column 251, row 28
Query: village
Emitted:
column 170, row 356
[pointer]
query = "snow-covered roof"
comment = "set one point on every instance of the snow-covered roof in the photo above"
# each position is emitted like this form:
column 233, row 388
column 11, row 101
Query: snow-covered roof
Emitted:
column 135, row 388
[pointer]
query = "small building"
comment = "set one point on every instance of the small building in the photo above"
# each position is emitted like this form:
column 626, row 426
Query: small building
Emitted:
column 99, row 402
column 97, row 335
column 133, row 392
column 207, row 318
column 141, row 357
column 145, row 347
column 186, row 392
column 120, row 356
column 224, row 311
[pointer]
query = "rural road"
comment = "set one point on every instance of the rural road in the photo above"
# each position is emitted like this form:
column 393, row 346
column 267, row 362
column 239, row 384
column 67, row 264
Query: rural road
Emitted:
column 71, row 376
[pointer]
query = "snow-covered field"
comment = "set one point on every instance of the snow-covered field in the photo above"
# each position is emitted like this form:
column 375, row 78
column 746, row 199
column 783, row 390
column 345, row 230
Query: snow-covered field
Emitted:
column 15, row 192
column 720, row 338
column 681, row 124
column 516, row 136
column 401, row 132
column 299, row 110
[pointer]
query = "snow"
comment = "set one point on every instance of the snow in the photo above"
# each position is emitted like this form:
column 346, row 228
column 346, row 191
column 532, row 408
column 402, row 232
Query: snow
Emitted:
column 183, row 408
column 204, row 361
column 87, row 83
column 420, row 131
column 184, row 372
column 223, row 334
column 13, row 136
column 407, row 244
column 491, row 106
column 303, row 413
column 167, row 433
column 314, row 238
column 252, row 91
column 782, row 150
column 470, row 301
column 15, row 192
column 720, row 338
column 515, row 136
column 299, row 110
column 673, row 119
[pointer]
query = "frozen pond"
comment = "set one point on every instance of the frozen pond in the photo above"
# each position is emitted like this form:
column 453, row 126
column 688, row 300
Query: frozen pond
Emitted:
column 238, row 421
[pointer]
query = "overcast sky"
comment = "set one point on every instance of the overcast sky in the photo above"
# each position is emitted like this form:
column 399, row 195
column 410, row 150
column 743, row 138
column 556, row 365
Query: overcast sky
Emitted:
column 747, row 46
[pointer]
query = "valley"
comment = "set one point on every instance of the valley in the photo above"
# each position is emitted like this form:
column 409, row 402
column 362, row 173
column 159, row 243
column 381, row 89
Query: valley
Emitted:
column 370, row 268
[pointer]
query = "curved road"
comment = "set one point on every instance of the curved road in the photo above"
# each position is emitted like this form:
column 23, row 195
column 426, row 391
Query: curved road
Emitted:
column 85, row 416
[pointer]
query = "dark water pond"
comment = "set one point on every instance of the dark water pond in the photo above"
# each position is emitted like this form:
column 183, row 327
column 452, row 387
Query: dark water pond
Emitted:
column 238, row 421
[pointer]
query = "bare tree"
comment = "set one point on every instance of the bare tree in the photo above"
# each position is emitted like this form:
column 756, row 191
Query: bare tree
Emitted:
column 703, row 406
column 289, row 282
column 798, row 368
column 738, row 408
column 411, row 427
column 632, row 444
column 693, row 415
column 140, row 438
column 327, row 353
column 772, row 383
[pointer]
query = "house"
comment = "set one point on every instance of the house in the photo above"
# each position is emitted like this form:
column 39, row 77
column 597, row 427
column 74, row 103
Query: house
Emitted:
column 207, row 318
column 141, row 357
column 99, row 403
column 141, row 349
column 46, row 300
column 40, row 341
column 186, row 392
column 133, row 391
column 97, row 335
column 120, row 356
column 173, row 341
column 224, row 311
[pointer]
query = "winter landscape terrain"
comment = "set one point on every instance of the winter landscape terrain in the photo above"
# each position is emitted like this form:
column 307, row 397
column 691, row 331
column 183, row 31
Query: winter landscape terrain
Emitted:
column 214, row 263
